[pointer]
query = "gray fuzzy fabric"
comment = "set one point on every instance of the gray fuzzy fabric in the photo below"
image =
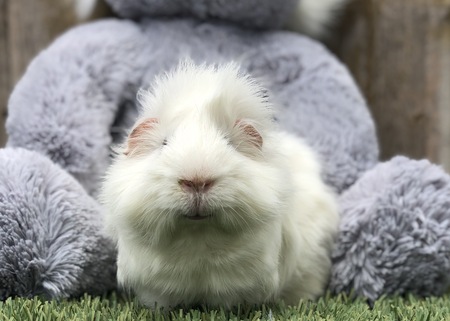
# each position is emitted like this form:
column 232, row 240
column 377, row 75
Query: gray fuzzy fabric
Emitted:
column 249, row 13
column 395, row 232
column 51, row 243
column 65, row 105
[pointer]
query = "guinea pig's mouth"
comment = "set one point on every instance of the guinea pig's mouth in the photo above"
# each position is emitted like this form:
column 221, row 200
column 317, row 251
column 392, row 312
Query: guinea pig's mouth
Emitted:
column 198, row 215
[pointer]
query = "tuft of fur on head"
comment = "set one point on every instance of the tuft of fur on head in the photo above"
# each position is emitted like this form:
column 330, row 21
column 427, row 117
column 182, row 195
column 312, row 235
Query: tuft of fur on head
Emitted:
column 315, row 17
column 192, row 86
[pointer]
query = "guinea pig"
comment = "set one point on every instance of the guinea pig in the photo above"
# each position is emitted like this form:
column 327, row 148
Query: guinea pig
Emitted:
column 211, row 204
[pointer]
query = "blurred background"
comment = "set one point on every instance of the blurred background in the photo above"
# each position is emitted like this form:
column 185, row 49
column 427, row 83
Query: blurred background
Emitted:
column 397, row 50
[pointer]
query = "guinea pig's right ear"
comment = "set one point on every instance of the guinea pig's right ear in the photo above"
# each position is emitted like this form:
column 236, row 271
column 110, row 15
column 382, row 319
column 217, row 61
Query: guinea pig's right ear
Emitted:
column 138, row 138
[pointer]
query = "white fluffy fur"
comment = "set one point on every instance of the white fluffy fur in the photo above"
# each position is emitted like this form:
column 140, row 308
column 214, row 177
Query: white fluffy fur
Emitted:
column 272, row 219
column 314, row 17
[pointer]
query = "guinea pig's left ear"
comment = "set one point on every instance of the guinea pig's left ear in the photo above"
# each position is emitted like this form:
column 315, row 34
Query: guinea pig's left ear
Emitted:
column 138, row 138
column 250, row 132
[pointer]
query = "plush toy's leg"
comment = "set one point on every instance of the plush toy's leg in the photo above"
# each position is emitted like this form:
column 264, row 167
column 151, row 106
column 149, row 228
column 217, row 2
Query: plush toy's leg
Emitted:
column 51, row 239
column 395, row 232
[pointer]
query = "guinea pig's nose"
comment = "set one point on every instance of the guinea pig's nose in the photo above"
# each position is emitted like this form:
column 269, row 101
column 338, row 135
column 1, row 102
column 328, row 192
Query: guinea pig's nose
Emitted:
column 196, row 185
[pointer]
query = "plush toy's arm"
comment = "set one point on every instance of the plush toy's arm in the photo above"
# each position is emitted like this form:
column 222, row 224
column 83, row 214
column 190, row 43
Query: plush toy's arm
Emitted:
column 66, row 102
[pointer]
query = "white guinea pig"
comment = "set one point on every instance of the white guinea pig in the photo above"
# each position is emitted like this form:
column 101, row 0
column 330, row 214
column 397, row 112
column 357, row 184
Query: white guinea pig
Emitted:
column 211, row 204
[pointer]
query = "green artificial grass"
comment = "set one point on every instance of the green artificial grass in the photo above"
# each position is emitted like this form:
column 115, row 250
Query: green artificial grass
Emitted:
column 328, row 308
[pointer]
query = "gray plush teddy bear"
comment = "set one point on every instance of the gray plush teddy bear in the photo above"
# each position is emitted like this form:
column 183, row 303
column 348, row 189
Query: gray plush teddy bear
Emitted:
column 78, row 97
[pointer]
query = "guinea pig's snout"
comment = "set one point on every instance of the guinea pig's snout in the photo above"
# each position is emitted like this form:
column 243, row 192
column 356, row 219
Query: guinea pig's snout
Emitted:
column 196, row 185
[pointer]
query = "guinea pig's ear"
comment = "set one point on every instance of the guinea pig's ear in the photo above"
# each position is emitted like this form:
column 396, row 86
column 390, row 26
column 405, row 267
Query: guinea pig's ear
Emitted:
column 138, row 137
column 251, row 135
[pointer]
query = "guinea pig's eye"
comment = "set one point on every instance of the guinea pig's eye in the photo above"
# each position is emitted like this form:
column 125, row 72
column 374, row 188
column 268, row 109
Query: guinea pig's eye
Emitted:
column 164, row 142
